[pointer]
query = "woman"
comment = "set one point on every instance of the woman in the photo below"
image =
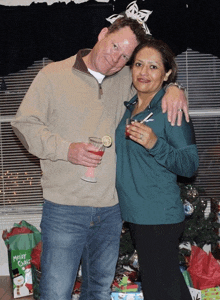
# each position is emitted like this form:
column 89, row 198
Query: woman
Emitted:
column 147, row 167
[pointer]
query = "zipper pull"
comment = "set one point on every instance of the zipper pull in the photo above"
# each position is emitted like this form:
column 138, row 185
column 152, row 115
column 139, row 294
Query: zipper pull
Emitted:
column 100, row 91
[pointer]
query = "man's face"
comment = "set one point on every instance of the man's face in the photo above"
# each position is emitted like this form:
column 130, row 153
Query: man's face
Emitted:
column 113, row 50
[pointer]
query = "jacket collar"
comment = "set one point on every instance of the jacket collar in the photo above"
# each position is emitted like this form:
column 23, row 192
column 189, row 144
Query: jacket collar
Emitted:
column 154, row 102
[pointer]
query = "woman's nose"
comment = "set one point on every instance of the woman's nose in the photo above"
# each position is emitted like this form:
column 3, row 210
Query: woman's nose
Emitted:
column 144, row 70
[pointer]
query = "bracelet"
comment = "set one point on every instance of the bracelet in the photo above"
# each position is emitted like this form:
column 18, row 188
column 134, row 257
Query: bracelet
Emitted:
column 180, row 86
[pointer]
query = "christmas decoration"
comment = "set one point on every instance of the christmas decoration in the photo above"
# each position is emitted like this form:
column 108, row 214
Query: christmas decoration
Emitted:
column 199, row 229
column 133, row 12
column 188, row 208
column 134, row 260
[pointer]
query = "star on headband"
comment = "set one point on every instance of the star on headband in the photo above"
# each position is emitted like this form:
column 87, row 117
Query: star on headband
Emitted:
column 133, row 12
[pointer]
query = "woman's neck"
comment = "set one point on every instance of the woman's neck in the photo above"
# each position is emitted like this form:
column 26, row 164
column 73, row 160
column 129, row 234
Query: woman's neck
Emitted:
column 142, row 103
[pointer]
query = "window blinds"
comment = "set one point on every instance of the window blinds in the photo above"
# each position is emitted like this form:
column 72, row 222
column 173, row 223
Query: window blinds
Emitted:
column 200, row 73
column 20, row 173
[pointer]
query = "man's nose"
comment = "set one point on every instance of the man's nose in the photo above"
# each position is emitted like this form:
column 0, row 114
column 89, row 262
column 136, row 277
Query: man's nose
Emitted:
column 116, row 56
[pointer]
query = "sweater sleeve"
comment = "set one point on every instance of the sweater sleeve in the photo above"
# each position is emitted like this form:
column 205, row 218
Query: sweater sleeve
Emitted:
column 31, row 123
column 178, row 151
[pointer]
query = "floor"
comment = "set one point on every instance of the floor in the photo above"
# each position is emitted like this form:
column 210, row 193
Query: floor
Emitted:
column 6, row 292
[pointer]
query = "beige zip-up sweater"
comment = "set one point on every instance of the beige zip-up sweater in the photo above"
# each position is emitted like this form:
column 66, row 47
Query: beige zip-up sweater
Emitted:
column 65, row 104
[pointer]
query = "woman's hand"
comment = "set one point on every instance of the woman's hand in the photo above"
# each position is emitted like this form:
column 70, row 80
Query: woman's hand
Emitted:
column 142, row 134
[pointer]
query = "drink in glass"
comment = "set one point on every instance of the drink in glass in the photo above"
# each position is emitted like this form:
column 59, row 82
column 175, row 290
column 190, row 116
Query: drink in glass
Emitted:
column 90, row 172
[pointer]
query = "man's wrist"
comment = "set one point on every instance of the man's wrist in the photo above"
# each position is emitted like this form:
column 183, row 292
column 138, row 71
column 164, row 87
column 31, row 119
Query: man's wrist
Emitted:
column 178, row 85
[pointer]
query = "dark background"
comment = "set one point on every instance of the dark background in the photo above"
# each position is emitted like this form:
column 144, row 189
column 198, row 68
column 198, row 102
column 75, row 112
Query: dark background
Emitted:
column 29, row 33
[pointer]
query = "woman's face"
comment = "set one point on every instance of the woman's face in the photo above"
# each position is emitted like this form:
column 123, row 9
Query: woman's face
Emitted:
column 148, row 73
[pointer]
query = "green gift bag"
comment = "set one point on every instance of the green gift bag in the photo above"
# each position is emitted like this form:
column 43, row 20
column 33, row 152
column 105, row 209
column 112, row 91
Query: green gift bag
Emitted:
column 20, row 241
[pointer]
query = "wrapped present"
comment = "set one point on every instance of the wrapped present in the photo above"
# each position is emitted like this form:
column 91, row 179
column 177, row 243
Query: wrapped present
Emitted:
column 211, row 294
column 127, row 296
column 125, row 285
column 126, row 289
column 204, row 269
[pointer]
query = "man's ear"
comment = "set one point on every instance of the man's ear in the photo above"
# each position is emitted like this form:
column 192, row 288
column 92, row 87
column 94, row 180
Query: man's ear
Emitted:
column 167, row 75
column 102, row 33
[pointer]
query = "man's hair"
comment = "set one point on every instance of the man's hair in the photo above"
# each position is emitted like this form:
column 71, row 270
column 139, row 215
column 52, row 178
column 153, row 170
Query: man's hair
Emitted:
column 166, row 53
column 134, row 25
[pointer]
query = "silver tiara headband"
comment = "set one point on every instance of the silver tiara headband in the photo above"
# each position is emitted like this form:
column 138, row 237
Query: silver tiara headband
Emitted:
column 133, row 12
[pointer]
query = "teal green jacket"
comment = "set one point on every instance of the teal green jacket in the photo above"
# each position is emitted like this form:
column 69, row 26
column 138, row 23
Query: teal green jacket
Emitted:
column 146, row 180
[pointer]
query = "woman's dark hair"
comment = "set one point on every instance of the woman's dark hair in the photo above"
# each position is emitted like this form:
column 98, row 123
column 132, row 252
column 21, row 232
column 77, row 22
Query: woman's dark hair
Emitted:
column 167, row 55
column 135, row 26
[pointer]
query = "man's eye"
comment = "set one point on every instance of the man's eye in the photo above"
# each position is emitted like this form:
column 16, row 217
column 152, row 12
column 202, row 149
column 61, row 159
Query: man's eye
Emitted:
column 125, row 57
column 153, row 67
column 115, row 46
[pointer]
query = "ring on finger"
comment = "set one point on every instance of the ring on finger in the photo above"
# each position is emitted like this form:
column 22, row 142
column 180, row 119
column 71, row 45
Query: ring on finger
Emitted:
column 179, row 109
column 141, row 136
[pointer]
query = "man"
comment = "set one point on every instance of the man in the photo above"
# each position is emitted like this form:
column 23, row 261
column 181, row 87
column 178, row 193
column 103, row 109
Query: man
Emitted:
column 67, row 102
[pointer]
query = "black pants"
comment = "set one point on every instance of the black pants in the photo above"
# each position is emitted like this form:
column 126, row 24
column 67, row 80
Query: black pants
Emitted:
column 157, row 248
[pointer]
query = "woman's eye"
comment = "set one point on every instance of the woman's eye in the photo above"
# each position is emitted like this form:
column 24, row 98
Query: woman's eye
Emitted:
column 138, row 64
column 153, row 67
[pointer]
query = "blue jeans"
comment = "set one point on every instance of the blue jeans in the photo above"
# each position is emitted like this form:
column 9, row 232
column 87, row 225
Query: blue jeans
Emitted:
column 70, row 233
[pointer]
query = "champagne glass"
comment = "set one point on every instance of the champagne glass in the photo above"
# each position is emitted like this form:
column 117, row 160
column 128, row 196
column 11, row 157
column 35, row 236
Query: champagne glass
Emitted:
column 90, row 172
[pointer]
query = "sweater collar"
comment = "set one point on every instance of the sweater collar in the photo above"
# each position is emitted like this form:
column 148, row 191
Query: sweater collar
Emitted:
column 79, row 63
column 154, row 102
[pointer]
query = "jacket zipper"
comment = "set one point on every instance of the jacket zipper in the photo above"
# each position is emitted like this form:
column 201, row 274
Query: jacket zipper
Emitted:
column 100, row 91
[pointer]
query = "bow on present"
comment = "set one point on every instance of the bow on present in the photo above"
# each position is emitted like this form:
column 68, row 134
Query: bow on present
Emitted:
column 133, row 12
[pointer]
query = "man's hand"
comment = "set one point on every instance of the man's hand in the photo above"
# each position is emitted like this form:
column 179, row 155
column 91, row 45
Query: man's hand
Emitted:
column 79, row 154
column 174, row 102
